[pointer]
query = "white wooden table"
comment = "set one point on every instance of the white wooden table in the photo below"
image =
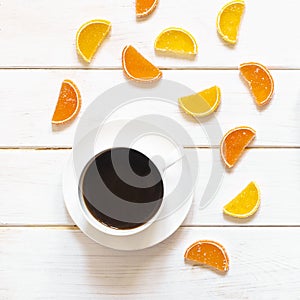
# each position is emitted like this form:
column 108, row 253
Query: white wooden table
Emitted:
column 44, row 256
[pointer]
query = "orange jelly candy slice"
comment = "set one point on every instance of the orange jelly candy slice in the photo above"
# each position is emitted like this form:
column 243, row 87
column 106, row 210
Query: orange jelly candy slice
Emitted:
column 144, row 8
column 68, row 104
column 260, row 81
column 234, row 143
column 209, row 253
column 90, row 36
column 137, row 67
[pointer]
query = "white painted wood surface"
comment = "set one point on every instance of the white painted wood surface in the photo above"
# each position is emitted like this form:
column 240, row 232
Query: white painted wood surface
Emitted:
column 64, row 264
column 36, row 176
column 42, row 254
column 42, row 34
column 29, row 99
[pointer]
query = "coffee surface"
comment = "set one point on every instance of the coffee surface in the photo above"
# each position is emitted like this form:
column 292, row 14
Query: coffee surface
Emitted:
column 122, row 188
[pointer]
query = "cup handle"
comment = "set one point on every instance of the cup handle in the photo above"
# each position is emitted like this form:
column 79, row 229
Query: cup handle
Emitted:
column 164, row 163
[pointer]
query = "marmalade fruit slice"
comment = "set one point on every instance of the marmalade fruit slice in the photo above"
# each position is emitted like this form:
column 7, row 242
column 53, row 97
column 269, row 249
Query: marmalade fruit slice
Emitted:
column 229, row 19
column 144, row 8
column 137, row 67
column 68, row 104
column 260, row 81
column 203, row 103
column 245, row 204
column 90, row 36
column 234, row 143
column 209, row 253
column 176, row 40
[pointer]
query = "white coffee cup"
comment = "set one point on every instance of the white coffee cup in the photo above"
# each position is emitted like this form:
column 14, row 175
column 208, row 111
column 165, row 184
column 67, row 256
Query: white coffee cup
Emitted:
column 161, row 163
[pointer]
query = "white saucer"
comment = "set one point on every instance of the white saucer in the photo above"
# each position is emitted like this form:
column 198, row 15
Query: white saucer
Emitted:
column 173, row 212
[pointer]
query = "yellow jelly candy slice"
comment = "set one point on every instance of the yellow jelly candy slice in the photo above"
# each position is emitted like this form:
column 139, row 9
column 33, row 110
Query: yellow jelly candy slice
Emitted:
column 245, row 204
column 176, row 40
column 90, row 36
column 203, row 103
column 229, row 19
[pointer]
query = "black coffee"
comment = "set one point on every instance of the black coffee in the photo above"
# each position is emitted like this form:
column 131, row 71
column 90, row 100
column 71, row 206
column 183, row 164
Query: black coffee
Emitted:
column 122, row 188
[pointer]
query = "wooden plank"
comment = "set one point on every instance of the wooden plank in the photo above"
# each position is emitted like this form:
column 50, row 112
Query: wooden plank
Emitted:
column 263, row 263
column 31, row 187
column 276, row 172
column 31, row 191
column 48, row 40
column 28, row 98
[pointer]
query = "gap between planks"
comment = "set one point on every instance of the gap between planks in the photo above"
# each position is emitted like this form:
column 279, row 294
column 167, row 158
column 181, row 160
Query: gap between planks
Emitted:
column 42, row 148
column 75, row 227
column 174, row 68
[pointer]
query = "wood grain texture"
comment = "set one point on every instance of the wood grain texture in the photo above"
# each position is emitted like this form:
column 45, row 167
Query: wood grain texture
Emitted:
column 52, row 264
column 42, row 34
column 31, row 191
column 37, row 52
column 28, row 99
column 31, row 183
